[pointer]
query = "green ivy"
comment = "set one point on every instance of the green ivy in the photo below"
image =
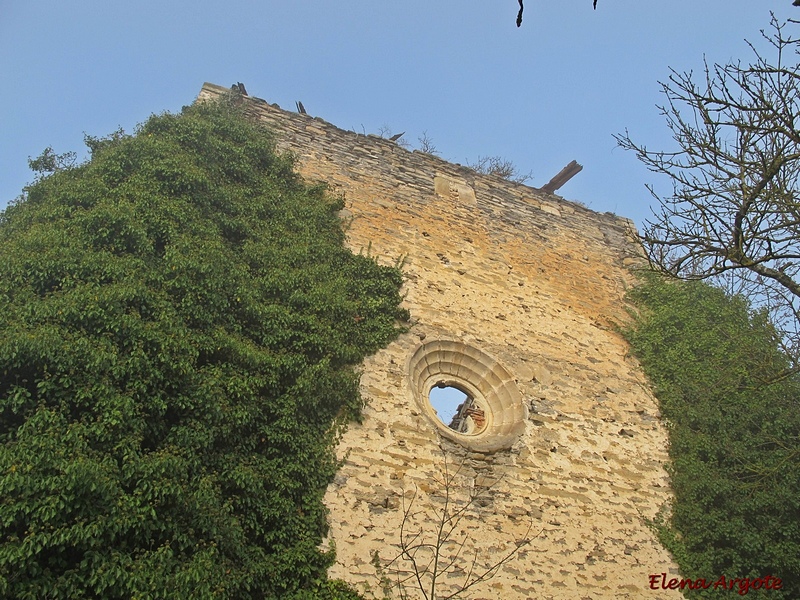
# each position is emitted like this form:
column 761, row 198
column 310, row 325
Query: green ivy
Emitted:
column 179, row 326
column 732, row 408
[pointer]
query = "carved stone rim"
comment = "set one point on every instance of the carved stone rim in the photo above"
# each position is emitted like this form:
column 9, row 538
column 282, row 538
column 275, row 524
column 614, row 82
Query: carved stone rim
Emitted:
column 456, row 364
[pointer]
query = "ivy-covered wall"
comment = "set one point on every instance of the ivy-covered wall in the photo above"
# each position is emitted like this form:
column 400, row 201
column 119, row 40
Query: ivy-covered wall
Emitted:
column 731, row 401
column 179, row 326
column 515, row 293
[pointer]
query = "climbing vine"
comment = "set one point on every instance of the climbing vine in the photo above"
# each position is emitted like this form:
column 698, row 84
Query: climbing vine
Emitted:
column 731, row 406
column 179, row 326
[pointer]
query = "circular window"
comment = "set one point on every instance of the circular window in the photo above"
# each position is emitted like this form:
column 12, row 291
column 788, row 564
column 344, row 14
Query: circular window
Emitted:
column 488, row 414
column 457, row 409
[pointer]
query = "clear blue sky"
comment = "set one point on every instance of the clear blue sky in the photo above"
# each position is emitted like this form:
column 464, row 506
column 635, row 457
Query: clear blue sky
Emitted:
column 552, row 91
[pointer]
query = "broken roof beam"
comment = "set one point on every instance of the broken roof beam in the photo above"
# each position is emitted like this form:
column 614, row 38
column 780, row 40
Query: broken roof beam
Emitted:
column 564, row 175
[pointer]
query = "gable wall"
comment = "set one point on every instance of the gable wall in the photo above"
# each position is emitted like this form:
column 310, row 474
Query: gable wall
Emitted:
column 535, row 285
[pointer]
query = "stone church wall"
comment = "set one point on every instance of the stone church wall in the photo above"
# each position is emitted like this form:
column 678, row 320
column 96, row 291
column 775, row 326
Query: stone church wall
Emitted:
column 514, row 295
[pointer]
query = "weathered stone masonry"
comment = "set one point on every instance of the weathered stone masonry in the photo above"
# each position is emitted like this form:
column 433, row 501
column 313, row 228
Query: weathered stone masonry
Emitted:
column 514, row 294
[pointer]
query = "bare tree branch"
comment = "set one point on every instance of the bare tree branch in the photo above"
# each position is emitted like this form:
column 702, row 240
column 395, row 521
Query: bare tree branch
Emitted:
column 502, row 167
column 734, row 212
column 423, row 563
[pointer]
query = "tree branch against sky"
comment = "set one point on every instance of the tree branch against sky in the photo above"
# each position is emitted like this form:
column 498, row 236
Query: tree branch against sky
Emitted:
column 478, row 85
column 594, row 6
column 522, row 9
column 733, row 215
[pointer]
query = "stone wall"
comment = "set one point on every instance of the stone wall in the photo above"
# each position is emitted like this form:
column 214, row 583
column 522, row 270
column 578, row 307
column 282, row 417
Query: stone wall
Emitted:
column 514, row 295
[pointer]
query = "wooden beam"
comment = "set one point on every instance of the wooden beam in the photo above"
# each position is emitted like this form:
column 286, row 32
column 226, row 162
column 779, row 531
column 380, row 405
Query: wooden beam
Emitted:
column 564, row 175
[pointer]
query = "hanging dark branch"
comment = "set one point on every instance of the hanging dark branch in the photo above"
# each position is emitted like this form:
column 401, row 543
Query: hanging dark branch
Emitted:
column 594, row 6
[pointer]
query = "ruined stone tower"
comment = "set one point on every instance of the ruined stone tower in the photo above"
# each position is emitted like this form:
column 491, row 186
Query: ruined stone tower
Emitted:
column 514, row 295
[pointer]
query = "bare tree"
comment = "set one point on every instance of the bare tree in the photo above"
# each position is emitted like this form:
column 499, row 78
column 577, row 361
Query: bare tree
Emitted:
column 502, row 167
column 734, row 212
column 430, row 554
column 426, row 144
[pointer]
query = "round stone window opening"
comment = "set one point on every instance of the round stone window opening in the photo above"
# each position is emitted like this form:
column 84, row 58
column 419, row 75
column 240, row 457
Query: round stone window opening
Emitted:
column 457, row 408
column 490, row 414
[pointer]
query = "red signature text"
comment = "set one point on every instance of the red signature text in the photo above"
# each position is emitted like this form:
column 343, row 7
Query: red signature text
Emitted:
column 740, row 585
